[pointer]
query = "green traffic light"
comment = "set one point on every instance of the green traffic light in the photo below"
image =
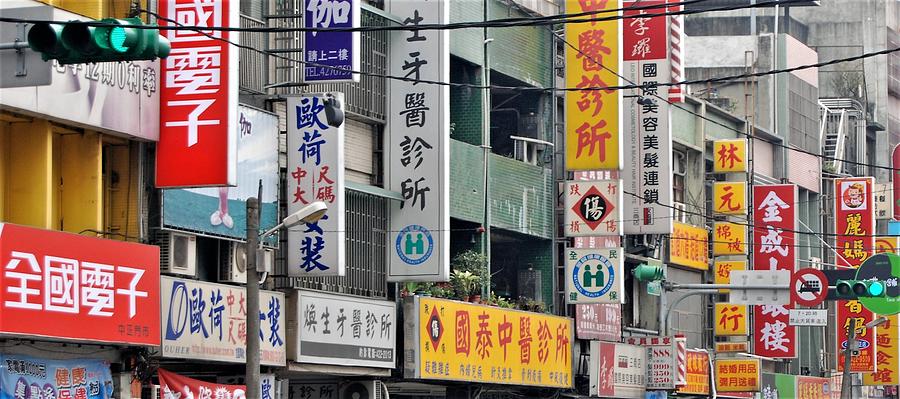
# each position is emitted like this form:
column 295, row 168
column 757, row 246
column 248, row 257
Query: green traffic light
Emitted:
column 648, row 272
column 876, row 288
column 78, row 42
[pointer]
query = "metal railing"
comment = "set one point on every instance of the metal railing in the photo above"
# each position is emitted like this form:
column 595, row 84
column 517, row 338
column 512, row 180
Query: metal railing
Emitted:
column 254, row 65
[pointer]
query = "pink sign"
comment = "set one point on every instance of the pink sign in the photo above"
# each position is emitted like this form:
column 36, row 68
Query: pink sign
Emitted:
column 601, row 321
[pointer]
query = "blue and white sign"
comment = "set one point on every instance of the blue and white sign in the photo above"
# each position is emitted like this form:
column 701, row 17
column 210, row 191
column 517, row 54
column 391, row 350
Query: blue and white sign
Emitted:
column 330, row 56
column 595, row 275
column 208, row 321
column 315, row 172
column 26, row 377
column 418, row 144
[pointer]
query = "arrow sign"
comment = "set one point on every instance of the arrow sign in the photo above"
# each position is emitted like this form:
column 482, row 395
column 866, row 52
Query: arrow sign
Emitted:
column 809, row 287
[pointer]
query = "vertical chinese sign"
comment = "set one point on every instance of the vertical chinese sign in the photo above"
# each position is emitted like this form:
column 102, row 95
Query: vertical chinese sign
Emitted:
column 730, row 156
column 731, row 320
column 199, row 97
column 70, row 286
column 723, row 270
column 330, row 56
column 418, row 146
column 457, row 341
column 729, row 238
column 774, row 221
column 315, row 173
column 647, row 134
column 730, row 197
column 886, row 355
column 697, row 373
column 593, row 114
column 854, row 216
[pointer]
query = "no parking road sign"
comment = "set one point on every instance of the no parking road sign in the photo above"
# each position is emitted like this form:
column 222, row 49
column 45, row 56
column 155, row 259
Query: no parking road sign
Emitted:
column 809, row 287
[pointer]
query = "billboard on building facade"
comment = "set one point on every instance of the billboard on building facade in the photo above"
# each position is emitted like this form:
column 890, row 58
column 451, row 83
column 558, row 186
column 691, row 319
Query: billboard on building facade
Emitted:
column 222, row 211
column 595, row 275
column 593, row 134
column 330, row 56
column 315, row 172
column 774, row 238
column 459, row 341
column 75, row 287
column 208, row 321
column 23, row 376
column 418, row 144
column 342, row 330
column 646, row 131
column 198, row 96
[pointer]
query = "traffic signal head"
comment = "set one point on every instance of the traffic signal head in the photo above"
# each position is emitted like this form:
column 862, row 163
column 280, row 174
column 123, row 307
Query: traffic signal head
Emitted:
column 851, row 289
column 648, row 272
column 79, row 42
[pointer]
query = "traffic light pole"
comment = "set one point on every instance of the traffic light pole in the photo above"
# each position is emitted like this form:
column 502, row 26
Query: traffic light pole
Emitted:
column 846, row 383
column 665, row 309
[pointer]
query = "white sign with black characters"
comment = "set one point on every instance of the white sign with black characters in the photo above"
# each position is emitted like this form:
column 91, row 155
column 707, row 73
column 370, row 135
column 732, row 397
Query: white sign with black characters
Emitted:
column 419, row 130
column 593, row 208
column 808, row 317
column 595, row 275
column 315, row 172
column 342, row 330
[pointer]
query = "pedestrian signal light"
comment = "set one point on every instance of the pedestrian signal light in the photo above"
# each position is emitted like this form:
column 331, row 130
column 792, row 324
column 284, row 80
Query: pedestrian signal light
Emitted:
column 851, row 289
column 116, row 40
column 648, row 272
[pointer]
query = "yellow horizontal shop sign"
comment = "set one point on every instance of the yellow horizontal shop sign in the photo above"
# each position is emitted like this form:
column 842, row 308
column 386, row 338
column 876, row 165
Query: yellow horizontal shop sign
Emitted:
column 461, row 341
column 732, row 347
column 737, row 375
column 689, row 246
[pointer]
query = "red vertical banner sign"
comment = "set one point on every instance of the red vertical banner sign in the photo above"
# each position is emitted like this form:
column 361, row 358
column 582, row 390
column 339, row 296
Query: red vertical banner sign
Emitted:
column 198, row 96
column 774, row 224
column 854, row 216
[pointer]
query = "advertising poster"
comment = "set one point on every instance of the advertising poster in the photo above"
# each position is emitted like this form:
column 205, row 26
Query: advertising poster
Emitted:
column 27, row 377
column 461, row 341
column 222, row 211
column 618, row 370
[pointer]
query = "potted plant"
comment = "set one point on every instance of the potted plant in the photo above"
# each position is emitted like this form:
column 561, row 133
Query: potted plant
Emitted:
column 463, row 283
column 474, row 264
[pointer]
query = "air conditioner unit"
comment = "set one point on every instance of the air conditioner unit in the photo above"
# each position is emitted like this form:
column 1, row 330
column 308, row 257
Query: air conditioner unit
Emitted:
column 372, row 389
column 679, row 166
column 679, row 212
column 234, row 268
column 178, row 253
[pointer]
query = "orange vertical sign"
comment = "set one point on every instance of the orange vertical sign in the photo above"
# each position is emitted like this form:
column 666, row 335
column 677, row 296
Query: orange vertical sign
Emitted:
column 731, row 319
column 723, row 270
column 729, row 239
column 730, row 197
column 730, row 156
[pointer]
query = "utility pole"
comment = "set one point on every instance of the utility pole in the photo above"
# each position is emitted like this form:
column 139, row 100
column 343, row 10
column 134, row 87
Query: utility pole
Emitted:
column 846, row 383
column 251, row 378
column 486, row 149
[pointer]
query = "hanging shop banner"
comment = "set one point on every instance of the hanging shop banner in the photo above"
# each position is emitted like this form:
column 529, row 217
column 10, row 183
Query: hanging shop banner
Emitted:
column 207, row 321
column 661, row 363
column 883, row 197
column 173, row 385
column 697, row 374
column 120, row 97
column 330, row 56
column 730, row 197
column 71, row 286
column 866, row 338
column 595, row 275
column 418, row 144
column 689, row 246
column 198, row 114
column 730, row 156
column 887, row 363
column 854, row 220
column 646, row 131
column 27, row 377
column 813, row 387
column 723, row 270
column 593, row 208
column 220, row 212
column 729, row 239
column 316, row 173
column 460, row 341
column 737, row 375
column 593, row 133
column 732, row 320
column 341, row 330
column 676, row 51
column 887, row 245
column 775, row 220
column 598, row 321
column 853, row 310
column 617, row 370
column 778, row 386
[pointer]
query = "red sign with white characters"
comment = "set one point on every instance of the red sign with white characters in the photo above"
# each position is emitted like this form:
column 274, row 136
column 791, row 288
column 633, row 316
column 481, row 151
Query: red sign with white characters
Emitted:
column 774, row 221
column 644, row 38
column 63, row 285
column 854, row 216
column 198, row 97
column 178, row 386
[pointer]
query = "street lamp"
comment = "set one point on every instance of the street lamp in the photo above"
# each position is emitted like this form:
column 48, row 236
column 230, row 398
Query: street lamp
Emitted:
column 308, row 214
